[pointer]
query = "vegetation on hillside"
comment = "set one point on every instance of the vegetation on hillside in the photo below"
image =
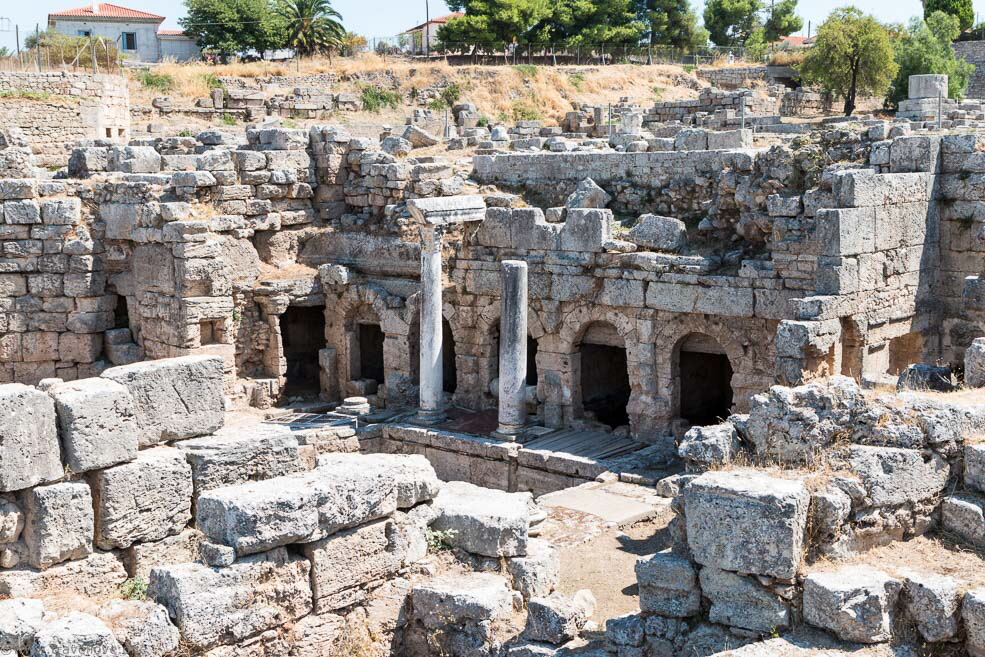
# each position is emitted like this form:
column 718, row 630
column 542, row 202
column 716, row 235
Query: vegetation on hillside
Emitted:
column 926, row 47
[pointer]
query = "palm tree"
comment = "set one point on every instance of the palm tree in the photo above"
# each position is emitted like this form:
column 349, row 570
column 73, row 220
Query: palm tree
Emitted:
column 312, row 25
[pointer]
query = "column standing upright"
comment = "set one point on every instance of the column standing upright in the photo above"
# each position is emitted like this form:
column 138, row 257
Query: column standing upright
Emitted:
column 513, row 349
column 431, row 409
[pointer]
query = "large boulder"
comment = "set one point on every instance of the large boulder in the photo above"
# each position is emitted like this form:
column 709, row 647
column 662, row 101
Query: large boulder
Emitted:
column 175, row 398
column 76, row 634
column 144, row 628
column 856, row 603
column 668, row 585
column 58, row 523
column 29, row 449
column 98, row 423
column 659, row 233
column 223, row 606
column 743, row 602
column 933, row 602
column 711, row 445
column 537, row 573
column 418, row 137
column 588, row 195
column 456, row 599
column 558, row 618
column 143, row 501
column 483, row 521
column 747, row 521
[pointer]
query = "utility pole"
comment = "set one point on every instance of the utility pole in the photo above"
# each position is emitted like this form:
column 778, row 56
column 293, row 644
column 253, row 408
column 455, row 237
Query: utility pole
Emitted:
column 427, row 30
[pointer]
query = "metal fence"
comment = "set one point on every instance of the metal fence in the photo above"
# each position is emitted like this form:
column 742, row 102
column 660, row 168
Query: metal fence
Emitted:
column 55, row 52
column 554, row 54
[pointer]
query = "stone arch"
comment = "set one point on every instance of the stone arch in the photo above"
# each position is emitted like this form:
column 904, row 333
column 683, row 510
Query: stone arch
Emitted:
column 702, row 368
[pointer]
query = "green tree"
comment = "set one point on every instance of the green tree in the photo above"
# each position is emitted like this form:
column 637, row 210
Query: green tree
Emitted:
column 577, row 22
column 312, row 26
column 852, row 55
column 962, row 9
column 782, row 20
column 926, row 48
column 495, row 21
column 731, row 22
column 672, row 23
column 229, row 27
column 5, row 52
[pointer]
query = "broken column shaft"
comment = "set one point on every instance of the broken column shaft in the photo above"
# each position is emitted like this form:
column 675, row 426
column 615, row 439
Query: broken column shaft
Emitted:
column 432, row 382
column 513, row 348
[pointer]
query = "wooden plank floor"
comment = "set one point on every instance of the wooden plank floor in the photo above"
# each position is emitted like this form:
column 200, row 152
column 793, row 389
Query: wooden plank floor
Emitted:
column 587, row 444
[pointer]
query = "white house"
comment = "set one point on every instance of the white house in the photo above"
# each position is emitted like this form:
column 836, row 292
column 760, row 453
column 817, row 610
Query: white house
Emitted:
column 137, row 34
column 425, row 36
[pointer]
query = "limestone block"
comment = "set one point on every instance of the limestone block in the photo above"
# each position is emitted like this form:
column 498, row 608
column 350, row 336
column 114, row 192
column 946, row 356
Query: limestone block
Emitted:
column 97, row 423
column 483, row 521
column 134, row 159
column 58, row 523
column 18, row 188
column 222, row 606
column 175, row 398
column 893, row 476
column 83, row 162
column 783, row 206
column 558, row 618
column 711, row 445
column 76, row 634
column 964, row 516
column 477, row 597
column 927, row 86
column 235, row 455
column 20, row 620
column 586, row 230
column 61, row 211
column 668, row 585
column 21, row 212
column 143, row 628
column 396, row 146
column 855, row 603
column 627, row 630
column 192, row 179
column 742, row 602
column 691, row 140
column 537, row 573
column 99, row 575
column 973, row 615
column 974, row 364
column 720, row 140
column 419, row 138
column 29, row 447
column 11, row 521
column 343, row 562
column 588, row 195
column 659, row 233
column 183, row 547
column 412, row 474
column 747, row 521
column 142, row 501
column 934, row 604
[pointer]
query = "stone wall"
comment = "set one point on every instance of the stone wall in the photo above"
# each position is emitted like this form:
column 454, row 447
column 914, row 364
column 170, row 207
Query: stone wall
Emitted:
column 58, row 109
column 733, row 78
column 974, row 53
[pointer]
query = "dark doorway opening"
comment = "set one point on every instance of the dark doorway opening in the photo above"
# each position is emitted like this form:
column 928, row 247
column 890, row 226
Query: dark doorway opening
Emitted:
column 706, row 387
column 605, row 385
column 449, row 372
column 531, row 361
column 121, row 315
column 302, row 330
column 371, row 352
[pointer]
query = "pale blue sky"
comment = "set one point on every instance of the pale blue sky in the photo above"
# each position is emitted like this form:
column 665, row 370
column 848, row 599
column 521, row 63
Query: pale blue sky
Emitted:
column 389, row 17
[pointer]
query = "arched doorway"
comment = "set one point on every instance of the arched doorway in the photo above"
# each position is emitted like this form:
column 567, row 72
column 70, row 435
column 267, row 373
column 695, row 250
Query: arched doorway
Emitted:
column 605, row 388
column 449, row 370
column 302, row 331
column 704, row 380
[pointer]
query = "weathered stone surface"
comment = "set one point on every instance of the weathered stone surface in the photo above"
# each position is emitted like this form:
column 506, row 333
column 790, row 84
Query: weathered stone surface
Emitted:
column 235, row 455
column 537, row 573
column 29, row 448
column 99, row 575
column 183, row 547
column 974, row 364
column 143, row 628
column 396, row 146
column 483, row 521
column 76, row 634
column 742, row 602
column 413, row 475
column 174, row 398
column 934, row 604
column 477, row 597
column 920, row 376
column 895, row 476
column 659, row 233
column 588, row 195
column 973, row 615
column 20, row 620
column 855, row 603
column 712, row 445
column 558, row 618
column 418, row 137
column 747, row 521
column 974, row 467
column 668, row 585
column 627, row 630
column 964, row 515
column 58, row 523
column 221, row 606
column 142, row 501
column 97, row 422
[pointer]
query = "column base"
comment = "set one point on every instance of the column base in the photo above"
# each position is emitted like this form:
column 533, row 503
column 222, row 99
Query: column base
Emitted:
column 508, row 432
column 430, row 416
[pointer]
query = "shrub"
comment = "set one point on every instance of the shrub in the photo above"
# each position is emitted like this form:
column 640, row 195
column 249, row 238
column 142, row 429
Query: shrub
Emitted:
column 156, row 81
column 213, row 82
column 228, row 119
column 375, row 99
column 438, row 540
column 577, row 80
column 523, row 110
column 530, row 70
column 134, row 588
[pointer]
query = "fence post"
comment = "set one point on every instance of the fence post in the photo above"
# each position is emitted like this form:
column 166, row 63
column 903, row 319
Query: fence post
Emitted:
column 37, row 37
column 940, row 108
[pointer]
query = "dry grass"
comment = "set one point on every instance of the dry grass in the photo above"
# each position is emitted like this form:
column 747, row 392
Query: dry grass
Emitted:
column 503, row 93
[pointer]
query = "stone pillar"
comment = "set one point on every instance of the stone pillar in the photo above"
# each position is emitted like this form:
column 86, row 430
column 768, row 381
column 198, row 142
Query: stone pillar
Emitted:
column 431, row 409
column 513, row 349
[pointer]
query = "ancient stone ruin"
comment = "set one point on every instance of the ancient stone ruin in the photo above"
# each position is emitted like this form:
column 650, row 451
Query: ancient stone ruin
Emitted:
column 291, row 392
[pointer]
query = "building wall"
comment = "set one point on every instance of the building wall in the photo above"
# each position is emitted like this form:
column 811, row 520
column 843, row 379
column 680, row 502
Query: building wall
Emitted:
column 81, row 106
column 179, row 48
column 147, row 50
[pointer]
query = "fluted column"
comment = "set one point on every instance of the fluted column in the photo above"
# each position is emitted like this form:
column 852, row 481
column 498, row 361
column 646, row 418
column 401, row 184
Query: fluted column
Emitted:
column 513, row 348
column 431, row 409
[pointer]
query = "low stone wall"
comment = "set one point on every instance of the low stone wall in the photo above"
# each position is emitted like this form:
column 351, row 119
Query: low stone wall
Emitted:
column 973, row 52
column 733, row 78
column 55, row 110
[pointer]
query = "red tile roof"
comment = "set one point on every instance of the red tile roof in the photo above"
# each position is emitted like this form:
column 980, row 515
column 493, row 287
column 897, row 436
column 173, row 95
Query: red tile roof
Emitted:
column 171, row 32
column 106, row 10
column 439, row 19
column 796, row 41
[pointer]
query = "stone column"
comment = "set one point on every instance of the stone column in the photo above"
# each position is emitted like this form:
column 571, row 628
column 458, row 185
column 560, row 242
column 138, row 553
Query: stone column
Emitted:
column 513, row 349
column 431, row 409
